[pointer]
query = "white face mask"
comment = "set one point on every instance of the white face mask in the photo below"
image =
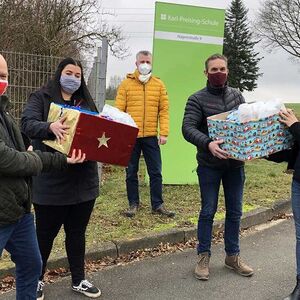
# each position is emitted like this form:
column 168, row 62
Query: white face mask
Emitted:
column 144, row 68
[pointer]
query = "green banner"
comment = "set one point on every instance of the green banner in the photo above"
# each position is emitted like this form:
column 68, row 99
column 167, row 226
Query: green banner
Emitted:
column 184, row 36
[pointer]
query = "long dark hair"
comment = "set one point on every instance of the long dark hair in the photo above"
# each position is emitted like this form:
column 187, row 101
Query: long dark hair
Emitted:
column 81, row 94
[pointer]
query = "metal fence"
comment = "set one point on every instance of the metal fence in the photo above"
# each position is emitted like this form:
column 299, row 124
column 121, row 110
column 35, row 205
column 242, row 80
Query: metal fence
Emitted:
column 29, row 72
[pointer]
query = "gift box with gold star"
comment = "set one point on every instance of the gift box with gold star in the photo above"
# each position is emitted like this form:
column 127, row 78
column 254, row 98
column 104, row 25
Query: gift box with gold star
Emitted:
column 101, row 139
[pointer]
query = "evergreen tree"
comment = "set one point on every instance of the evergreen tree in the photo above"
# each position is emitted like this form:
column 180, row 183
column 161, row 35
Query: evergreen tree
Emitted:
column 239, row 48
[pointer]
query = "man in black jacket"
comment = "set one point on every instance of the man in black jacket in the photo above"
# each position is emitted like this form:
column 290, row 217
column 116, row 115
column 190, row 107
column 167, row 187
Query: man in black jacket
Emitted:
column 17, row 232
column 214, row 166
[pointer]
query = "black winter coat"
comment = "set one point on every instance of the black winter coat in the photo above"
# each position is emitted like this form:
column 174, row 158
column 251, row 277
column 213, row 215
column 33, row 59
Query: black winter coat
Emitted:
column 79, row 182
column 201, row 105
column 17, row 166
column 291, row 156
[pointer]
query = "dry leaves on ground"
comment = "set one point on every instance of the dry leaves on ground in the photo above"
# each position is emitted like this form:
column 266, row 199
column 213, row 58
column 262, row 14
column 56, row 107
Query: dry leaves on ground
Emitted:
column 8, row 282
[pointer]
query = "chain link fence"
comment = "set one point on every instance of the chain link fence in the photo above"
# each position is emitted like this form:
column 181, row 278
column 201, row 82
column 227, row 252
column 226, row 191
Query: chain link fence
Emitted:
column 29, row 72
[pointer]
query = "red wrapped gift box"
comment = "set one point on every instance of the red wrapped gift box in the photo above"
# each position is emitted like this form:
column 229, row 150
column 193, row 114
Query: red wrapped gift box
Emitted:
column 100, row 139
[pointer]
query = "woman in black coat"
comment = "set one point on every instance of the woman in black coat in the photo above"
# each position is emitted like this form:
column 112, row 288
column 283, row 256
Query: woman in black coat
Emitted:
column 66, row 197
column 293, row 158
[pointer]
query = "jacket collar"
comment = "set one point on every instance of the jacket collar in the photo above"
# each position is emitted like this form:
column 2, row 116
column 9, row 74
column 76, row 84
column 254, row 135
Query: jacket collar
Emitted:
column 52, row 94
column 46, row 90
column 216, row 90
column 135, row 75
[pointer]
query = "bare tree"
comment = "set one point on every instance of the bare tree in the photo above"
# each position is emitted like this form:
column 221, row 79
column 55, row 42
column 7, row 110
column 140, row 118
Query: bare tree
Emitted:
column 278, row 24
column 56, row 27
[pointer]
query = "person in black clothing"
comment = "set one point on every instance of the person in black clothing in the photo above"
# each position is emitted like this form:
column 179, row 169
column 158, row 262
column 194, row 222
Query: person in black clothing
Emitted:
column 67, row 197
column 214, row 166
column 17, row 232
column 292, row 156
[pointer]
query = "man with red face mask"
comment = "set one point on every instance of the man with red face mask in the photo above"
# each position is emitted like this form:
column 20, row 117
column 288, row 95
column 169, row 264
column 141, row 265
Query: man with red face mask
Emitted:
column 17, row 231
column 214, row 167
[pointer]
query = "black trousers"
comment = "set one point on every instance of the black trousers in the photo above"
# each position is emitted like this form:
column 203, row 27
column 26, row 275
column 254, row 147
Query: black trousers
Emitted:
column 75, row 218
column 151, row 151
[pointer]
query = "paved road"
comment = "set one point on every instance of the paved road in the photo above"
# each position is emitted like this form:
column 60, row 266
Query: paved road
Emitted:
column 270, row 252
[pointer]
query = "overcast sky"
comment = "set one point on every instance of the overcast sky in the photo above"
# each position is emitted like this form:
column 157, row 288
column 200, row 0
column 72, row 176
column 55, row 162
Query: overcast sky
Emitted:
column 281, row 76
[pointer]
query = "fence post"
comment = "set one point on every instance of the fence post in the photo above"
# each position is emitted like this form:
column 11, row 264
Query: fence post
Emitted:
column 101, row 68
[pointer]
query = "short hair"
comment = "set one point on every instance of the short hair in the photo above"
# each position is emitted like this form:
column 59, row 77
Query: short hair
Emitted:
column 213, row 57
column 143, row 52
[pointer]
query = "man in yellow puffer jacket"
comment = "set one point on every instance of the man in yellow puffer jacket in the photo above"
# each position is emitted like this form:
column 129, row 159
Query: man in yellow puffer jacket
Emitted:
column 145, row 98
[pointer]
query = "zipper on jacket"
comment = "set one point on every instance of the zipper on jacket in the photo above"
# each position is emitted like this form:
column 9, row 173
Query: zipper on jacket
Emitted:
column 223, row 98
column 144, row 88
column 227, row 162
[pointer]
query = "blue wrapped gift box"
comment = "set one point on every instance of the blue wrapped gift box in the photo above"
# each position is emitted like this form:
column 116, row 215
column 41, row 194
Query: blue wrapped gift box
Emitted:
column 253, row 139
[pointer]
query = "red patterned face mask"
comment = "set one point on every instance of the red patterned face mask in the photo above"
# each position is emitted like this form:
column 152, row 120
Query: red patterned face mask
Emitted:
column 217, row 79
column 3, row 86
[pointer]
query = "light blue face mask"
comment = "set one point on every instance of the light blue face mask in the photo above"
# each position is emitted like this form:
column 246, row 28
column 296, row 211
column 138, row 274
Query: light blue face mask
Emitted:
column 70, row 84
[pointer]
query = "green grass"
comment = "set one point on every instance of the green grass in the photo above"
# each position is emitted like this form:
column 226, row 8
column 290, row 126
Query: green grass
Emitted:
column 265, row 183
column 295, row 107
column 110, row 102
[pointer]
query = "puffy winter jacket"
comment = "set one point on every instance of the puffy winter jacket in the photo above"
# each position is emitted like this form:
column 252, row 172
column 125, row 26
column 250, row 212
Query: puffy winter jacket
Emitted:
column 201, row 105
column 76, row 184
column 17, row 166
column 148, row 104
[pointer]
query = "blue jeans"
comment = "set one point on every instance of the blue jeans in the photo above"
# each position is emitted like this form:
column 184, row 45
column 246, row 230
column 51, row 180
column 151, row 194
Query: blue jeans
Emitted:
column 19, row 239
column 233, row 184
column 296, row 212
column 151, row 151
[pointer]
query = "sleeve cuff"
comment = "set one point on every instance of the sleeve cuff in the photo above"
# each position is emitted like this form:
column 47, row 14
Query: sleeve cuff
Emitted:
column 295, row 127
column 207, row 143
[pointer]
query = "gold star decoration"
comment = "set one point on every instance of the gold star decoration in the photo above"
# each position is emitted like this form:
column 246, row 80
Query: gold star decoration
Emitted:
column 103, row 140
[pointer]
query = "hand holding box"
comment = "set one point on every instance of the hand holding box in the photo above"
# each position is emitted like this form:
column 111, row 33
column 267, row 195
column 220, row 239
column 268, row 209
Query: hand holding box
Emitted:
column 249, row 140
